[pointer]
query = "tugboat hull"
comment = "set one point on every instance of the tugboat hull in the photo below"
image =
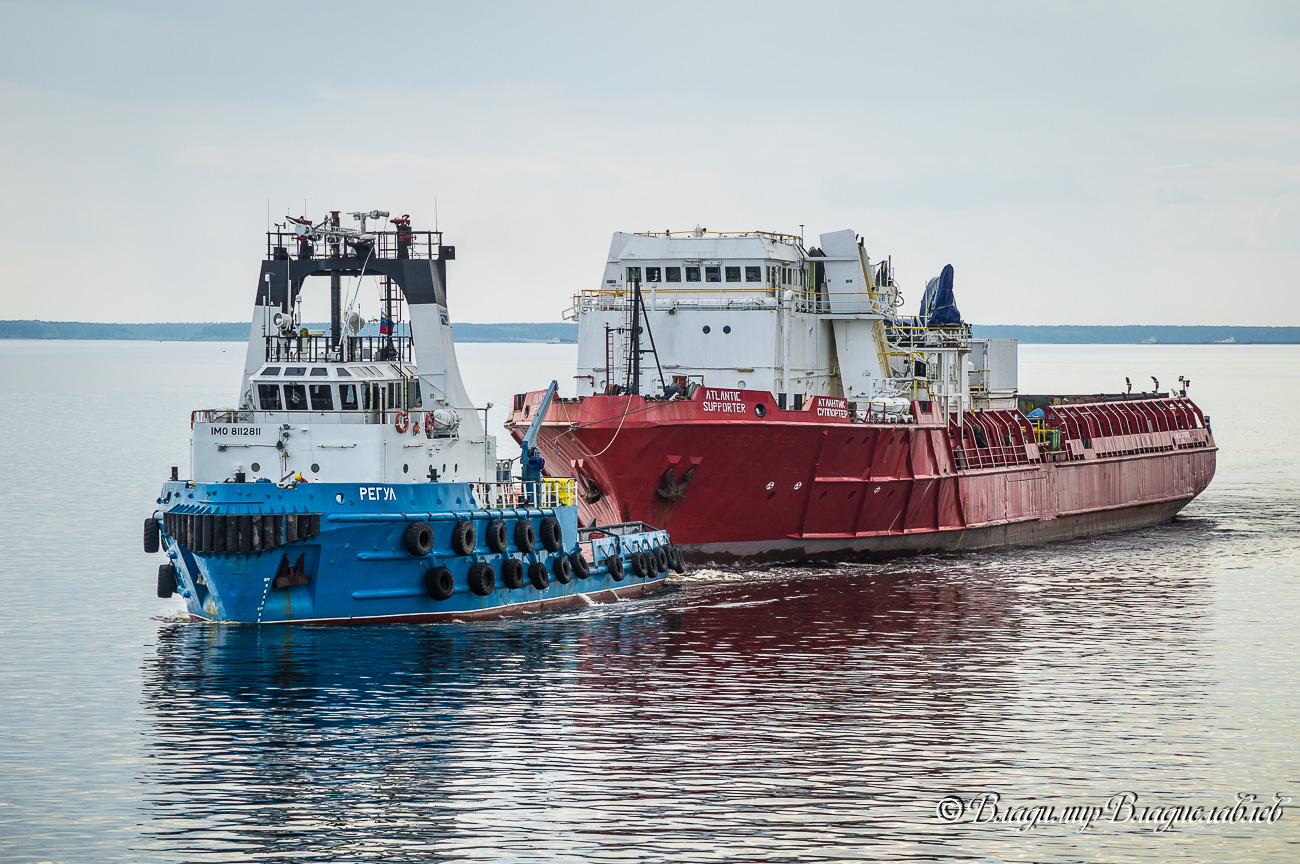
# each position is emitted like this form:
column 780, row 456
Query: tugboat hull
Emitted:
column 340, row 553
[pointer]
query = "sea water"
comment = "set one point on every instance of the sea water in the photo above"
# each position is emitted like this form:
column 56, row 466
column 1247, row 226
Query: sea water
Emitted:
column 774, row 714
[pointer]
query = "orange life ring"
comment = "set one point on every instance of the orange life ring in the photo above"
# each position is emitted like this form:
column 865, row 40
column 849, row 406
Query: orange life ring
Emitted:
column 402, row 421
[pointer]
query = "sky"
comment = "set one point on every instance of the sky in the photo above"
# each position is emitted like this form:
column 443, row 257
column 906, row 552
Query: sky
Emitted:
column 1076, row 163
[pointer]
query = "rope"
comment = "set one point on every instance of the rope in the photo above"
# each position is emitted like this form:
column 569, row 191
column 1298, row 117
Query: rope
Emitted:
column 622, row 418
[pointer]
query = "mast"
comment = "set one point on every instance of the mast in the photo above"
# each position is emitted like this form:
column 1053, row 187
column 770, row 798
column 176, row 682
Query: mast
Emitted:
column 634, row 386
column 336, row 292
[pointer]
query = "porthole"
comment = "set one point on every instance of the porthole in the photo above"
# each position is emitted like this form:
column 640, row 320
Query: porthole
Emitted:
column 406, row 468
column 315, row 469
column 741, row 384
column 256, row 467
column 726, row 329
column 339, row 497
column 706, row 328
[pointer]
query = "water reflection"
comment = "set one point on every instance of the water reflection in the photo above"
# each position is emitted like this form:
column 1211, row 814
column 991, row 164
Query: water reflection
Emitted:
column 739, row 715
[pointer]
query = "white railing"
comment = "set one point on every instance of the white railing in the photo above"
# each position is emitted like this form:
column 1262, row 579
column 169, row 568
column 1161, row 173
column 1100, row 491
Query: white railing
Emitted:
column 515, row 494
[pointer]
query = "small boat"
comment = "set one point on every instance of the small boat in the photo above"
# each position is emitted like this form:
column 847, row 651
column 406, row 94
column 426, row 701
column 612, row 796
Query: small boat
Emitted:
column 355, row 482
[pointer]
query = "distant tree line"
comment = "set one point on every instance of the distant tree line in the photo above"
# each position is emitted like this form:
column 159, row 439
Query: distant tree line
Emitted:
column 1135, row 333
column 237, row 331
column 567, row 331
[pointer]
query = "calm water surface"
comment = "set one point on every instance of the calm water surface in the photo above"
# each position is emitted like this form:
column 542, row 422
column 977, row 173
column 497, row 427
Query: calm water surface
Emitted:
column 779, row 714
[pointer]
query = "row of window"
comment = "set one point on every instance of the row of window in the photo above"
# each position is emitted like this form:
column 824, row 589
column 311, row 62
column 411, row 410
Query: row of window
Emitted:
column 717, row 273
column 323, row 371
column 320, row 397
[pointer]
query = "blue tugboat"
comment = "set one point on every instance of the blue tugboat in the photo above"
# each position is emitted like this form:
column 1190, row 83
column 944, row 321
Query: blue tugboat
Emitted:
column 355, row 482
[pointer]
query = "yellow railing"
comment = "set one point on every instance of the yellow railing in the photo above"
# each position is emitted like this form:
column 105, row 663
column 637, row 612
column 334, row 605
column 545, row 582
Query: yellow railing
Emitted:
column 512, row 494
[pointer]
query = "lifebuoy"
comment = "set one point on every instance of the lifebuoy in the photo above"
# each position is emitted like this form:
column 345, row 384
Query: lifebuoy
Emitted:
column 401, row 421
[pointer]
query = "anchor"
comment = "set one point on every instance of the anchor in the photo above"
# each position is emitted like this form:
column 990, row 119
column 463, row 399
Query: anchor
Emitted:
column 672, row 490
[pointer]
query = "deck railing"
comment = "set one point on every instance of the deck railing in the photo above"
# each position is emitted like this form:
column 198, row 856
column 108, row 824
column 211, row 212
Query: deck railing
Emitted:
column 515, row 494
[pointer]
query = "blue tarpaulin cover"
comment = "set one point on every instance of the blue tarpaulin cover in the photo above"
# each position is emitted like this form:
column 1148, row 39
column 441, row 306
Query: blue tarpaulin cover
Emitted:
column 938, row 307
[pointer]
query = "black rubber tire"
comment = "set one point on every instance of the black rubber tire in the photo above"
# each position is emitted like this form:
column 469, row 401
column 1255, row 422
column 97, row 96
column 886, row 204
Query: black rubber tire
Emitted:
column 581, row 568
column 562, row 569
column 166, row 580
column 439, row 583
column 482, row 578
column 496, row 536
column 151, row 535
column 512, row 573
column 640, row 563
column 660, row 556
column 418, row 539
column 615, row 565
column 525, row 536
column 538, row 576
column 551, row 534
column 463, row 537
column 675, row 559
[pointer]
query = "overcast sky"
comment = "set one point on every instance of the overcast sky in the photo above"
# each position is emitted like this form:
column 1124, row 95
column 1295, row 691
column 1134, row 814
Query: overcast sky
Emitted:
column 1077, row 163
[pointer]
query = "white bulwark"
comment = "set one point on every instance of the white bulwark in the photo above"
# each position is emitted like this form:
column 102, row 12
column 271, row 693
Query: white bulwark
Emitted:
column 760, row 311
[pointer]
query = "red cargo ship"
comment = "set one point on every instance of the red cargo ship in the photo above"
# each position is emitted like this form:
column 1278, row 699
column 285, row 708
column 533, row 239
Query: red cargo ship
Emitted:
column 867, row 433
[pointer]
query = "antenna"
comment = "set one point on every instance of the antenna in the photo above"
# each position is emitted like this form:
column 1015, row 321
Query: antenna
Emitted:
column 435, row 213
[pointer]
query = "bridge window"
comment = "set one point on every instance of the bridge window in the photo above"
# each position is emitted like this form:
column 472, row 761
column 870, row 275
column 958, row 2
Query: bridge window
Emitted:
column 348, row 397
column 322, row 397
column 271, row 370
column 712, row 274
column 295, row 397
column 296, row 370
column 319, row 371
column 343, row 373
column 753, row 274
column 268, row 396
column 733, row 274
column 692, row 274
column 652, row 274
column 634, row 274
column 672, row 274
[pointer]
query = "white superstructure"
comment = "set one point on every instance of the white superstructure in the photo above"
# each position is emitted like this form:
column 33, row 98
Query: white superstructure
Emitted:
column 759, row 311
column 368, row 403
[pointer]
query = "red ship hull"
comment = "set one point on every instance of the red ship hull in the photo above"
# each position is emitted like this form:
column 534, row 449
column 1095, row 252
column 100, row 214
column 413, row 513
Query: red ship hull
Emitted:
column 732, row 477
